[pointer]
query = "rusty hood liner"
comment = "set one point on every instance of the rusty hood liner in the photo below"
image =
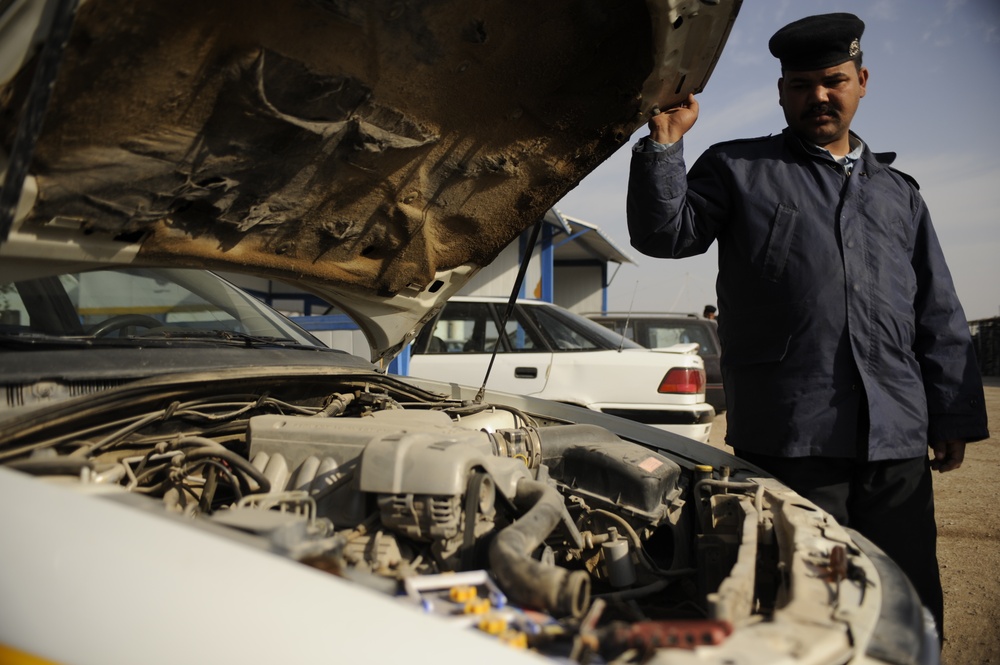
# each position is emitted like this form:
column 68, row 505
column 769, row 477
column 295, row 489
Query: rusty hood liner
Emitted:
column 375, row 153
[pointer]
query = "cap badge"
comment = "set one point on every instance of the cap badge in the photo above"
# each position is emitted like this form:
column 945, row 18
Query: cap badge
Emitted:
column 854, row 49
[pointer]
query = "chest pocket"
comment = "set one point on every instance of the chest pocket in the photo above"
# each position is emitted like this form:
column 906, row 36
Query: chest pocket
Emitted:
column 889, row 221
column 901, row 233
column 778, row 242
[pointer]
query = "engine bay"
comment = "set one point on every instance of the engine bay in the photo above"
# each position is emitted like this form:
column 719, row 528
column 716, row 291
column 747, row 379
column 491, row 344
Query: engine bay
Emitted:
column 561, row 538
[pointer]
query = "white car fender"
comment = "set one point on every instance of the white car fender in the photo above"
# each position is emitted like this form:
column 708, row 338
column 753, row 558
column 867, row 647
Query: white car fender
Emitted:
column 110, row 575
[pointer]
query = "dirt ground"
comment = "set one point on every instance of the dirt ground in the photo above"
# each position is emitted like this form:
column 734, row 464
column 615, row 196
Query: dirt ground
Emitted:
column 968, row 544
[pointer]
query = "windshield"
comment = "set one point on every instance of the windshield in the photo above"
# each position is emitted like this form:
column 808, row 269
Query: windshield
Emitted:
column 140, row 304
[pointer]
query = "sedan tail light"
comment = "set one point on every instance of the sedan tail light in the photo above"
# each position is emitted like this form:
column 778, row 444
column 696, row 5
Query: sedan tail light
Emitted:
column 685, row 381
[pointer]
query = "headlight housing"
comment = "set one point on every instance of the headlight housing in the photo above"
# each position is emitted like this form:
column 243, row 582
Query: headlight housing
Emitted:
column 905, row 633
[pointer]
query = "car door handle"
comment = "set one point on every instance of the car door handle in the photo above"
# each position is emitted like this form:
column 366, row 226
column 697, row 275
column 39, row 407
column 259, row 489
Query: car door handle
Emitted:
column 525, row 372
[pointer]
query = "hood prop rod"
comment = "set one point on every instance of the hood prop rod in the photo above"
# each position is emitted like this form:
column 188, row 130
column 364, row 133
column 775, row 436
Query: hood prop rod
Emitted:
column 35, row 107
column 525, row 260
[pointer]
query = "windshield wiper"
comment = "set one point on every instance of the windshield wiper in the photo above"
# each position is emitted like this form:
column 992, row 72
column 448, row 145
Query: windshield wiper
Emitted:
column 171, row 338
column 39, row 341
column 229, row 338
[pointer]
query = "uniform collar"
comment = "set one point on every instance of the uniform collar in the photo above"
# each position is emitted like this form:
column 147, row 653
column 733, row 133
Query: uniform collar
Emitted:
column 857, row 148
column 859, row 151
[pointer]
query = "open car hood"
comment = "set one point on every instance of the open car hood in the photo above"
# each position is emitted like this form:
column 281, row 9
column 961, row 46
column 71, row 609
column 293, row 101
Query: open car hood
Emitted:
column 376, row 154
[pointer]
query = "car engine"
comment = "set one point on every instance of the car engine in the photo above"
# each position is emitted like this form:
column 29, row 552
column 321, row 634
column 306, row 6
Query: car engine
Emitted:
column 558, row 537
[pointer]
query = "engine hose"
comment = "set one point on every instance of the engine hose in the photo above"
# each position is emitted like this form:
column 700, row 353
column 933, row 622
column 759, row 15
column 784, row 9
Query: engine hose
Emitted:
column 52, row 466
column 236, row 462
column 525, row 580
column 337, row 405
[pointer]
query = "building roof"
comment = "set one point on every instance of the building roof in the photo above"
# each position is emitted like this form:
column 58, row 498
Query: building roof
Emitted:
column 582, row 241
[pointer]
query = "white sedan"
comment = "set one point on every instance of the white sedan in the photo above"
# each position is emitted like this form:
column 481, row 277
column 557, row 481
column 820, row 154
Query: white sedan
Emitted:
column 547, row 351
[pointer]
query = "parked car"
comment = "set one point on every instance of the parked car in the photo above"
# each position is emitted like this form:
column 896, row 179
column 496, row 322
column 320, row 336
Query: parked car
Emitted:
column 550, row 352
column 654, row 330
column 185, row 476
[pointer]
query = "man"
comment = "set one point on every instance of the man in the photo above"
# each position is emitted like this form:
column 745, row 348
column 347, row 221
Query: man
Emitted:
column 845, row 351
column 709, row 312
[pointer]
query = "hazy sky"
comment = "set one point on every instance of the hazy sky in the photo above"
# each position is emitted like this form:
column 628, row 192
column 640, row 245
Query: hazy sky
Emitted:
column 933, row 98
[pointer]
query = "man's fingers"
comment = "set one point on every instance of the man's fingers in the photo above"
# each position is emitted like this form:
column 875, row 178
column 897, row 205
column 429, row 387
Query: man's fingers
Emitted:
column 689, row 103
column 669, row 125
column 948, row 456
column 955, row 456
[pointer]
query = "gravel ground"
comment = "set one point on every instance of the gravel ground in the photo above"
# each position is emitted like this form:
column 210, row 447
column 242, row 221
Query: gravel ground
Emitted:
column 968, row 544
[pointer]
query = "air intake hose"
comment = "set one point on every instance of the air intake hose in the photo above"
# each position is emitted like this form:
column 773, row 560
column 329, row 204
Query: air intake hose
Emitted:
column 525, row 580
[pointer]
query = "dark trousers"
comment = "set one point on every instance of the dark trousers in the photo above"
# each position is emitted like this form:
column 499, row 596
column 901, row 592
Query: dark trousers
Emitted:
column 889, row 502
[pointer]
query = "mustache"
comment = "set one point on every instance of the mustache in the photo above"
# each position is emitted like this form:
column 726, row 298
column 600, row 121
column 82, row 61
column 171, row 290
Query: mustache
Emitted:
column 820, row 109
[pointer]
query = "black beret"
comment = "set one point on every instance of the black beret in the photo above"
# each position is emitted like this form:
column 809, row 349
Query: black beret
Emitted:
column 818, row 42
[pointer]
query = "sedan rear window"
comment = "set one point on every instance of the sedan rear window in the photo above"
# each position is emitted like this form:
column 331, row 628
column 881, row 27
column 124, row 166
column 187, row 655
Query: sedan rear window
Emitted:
column 566, row 331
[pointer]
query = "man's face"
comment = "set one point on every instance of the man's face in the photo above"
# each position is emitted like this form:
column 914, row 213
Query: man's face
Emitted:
column 820, row 104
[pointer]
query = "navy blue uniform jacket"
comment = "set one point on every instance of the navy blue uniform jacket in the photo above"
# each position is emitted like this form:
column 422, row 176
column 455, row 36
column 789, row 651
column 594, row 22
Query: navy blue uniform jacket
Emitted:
column 831, row 290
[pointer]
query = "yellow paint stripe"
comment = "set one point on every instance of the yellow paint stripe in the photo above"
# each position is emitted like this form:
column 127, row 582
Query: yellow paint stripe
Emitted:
column 12, row 656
